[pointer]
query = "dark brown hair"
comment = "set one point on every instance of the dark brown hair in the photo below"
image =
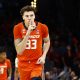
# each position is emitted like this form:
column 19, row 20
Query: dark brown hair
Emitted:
column 2, row 49
column 27, row 8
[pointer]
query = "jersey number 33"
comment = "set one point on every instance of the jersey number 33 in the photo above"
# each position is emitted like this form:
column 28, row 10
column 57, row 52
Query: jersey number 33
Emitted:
column 31, row 44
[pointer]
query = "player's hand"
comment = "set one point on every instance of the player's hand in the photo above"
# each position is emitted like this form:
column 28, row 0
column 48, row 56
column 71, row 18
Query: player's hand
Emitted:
column 41, row 60
column 9, row 77
column 32, row 26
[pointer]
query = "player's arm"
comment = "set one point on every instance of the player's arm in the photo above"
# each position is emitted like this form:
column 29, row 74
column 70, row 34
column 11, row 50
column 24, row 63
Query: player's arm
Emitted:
column 9, row 73
column 20, row 44
column 16, row 73
column 9, row 69
column 46, row 46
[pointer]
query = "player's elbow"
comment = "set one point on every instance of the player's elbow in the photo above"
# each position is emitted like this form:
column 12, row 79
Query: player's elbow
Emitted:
column 48, row 42
column 19, row 51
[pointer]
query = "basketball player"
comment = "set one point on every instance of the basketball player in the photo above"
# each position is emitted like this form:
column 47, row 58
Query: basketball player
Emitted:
column 32, row 42
column 5, row 65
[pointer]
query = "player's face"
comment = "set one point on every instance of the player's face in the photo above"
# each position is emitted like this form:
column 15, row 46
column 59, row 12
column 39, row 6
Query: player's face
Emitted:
column 2, row 56
column 28, row 16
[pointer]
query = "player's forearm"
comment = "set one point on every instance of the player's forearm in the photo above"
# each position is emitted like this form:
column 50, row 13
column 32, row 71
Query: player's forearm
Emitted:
column 46, row 48
column 22, row 45
column 16, row 74
column 9, row 75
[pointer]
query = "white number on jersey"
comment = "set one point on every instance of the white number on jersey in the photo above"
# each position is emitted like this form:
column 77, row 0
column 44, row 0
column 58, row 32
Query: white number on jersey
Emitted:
column 1, row 70
column 31, row 44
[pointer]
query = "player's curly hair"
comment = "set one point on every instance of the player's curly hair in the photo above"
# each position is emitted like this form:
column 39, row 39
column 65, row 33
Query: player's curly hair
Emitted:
column 27, row 8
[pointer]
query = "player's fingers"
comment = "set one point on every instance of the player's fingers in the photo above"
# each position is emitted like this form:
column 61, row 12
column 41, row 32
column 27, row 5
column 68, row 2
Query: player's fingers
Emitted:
column 38, row 61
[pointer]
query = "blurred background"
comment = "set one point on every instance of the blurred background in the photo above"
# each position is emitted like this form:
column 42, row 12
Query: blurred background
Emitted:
column 63, row 20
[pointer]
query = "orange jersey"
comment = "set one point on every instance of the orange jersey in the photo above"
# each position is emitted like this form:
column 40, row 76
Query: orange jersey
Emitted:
column 3, row 69
column 34, row 44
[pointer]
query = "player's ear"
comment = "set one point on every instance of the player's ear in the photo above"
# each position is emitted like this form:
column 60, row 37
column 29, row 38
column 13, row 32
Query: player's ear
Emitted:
column 34, row 16
column 23, row 17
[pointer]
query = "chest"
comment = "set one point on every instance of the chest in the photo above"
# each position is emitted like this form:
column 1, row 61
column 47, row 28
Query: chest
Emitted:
column 35, row 34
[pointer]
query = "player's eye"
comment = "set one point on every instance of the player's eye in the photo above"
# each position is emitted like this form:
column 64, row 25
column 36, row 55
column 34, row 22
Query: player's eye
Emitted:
column 27, row 15
column 31, row 15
